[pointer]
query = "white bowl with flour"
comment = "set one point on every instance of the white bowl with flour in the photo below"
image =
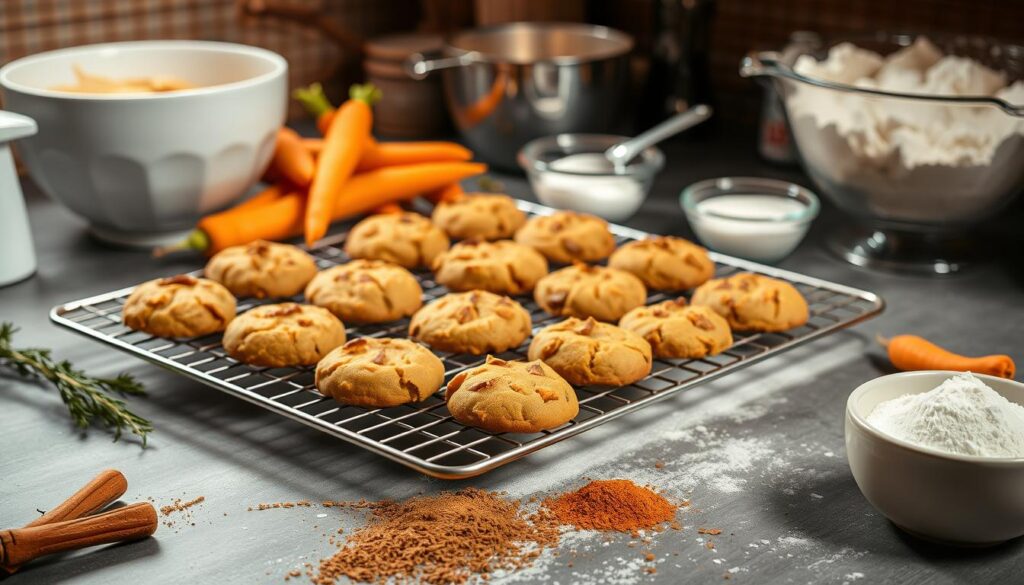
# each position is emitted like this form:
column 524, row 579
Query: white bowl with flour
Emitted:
column 943, row 456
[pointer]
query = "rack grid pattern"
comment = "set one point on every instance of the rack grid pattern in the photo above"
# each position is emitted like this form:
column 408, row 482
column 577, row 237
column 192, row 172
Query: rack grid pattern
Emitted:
column 424, row 436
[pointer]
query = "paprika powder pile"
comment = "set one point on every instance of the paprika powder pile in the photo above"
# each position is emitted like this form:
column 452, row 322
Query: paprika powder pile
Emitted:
column 613, row 505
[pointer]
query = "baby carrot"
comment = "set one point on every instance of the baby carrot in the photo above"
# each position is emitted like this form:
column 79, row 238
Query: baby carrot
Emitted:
column 291, row 159
column 344, row 144
column 387, row 154
column 313, row 145
column 910, row 352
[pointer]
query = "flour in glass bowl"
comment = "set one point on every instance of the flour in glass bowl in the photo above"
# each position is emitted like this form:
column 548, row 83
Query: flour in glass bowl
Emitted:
column 962, row 416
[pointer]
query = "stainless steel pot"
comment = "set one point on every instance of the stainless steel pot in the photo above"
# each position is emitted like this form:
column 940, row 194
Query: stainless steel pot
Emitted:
column 508, row 84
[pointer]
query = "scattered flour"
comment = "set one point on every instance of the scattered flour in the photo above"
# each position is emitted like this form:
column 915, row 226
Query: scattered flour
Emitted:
column 961, row 416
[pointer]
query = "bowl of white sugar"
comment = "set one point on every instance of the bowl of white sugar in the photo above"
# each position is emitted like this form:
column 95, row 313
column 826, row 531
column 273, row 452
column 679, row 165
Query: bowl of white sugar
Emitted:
column 941, row 454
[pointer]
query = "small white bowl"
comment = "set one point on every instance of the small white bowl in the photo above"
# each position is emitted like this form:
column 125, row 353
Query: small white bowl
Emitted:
column 765, row 221
column 954, row 499
column 589, row 188
column 138, row 166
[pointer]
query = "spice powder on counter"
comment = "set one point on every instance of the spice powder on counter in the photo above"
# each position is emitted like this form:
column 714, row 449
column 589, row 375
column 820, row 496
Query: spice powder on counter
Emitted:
column 446, row 538
column 614, row 504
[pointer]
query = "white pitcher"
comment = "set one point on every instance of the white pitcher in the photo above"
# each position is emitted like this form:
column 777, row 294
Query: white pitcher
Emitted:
column 17, row 257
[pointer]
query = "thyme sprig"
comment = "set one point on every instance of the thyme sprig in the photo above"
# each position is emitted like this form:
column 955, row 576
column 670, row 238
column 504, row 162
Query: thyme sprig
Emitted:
column 89, row 400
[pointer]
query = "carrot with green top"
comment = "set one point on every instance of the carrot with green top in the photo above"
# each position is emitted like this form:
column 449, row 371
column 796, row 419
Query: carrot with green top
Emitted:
column 388, row 154
column 284, row 217
column 344, row 144
column 315, row 101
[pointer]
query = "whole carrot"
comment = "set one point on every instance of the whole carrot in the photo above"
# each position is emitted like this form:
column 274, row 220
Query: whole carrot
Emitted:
column 344, row 144
column 284, row 217
column 910, row 352
column 292, row 160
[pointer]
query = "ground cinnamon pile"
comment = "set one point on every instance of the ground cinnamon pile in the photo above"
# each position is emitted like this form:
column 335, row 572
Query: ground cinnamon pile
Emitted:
column 614, row 504
column 445, row 538
column 180, row 506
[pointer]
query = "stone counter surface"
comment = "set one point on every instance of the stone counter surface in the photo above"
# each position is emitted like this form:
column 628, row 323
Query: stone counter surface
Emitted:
column 758, row 453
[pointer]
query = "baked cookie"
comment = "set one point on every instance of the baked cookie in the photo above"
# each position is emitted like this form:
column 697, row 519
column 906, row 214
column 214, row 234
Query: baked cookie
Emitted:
column 407, row 239
column 366, row 291
column 752, row 302
column 480, row 216
column 565, row 236
column 587, row 352
column 286, row 334
column 379, row 372
column 262, row 269
column 179, row 306
column 511, row 397
column 585, row 291
column 676, row 330
column 502, row 267
column 665, row 262
column 474, row 322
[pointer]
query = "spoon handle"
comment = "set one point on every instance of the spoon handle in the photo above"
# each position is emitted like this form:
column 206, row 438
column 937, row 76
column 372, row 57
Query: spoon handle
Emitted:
column 624, row 152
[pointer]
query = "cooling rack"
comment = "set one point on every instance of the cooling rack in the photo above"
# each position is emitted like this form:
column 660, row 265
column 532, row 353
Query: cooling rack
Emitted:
column 424, row 436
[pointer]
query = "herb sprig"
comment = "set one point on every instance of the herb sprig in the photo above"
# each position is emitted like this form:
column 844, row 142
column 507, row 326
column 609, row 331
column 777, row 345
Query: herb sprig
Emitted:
column 89, row 400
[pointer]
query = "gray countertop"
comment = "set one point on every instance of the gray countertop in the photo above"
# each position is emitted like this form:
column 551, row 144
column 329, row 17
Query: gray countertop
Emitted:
column 759, row 453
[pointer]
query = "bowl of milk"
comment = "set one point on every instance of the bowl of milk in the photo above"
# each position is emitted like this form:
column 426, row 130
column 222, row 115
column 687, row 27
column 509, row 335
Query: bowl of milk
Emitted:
column 748, row 217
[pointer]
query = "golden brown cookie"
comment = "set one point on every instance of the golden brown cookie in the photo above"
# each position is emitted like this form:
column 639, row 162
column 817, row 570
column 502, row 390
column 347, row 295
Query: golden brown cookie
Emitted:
column 474, row 322
column 262, row 269
column 379, row 373
column 285, row 334
column 565, row 236
column 588, row 352
column 665, row 262
column 585, row 291
column 179, row 306
column 366, row 291
column 407, row 239
column 480, row 216
column 676, row 330
column 511, row 397
column 753, row 302
column 502, row 267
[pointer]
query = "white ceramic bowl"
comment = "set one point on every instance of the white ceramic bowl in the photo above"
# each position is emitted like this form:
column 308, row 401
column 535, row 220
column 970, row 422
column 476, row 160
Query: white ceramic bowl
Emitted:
column 955, row 499
column 140, row 166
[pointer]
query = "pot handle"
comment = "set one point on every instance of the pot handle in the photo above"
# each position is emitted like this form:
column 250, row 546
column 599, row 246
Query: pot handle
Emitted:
column 418, row 66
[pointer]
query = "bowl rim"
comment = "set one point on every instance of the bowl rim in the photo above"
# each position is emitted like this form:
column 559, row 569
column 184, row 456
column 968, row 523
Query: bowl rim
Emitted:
column 771, row 64
column 752, row 186
column 278, row 62
column 862, row 424
column 624, row 42
column 652, row 159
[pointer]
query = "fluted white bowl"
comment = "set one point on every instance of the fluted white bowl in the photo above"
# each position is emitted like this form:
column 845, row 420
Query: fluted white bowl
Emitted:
column 141, row 165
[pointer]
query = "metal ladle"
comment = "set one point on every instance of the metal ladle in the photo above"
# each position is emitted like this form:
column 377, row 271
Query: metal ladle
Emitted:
column 619, row 155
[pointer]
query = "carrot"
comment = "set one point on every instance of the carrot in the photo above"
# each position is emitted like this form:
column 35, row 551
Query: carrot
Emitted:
column 291, row 160
column 316, row 103
column 262, row 198
column 313, row 145
column 388, row 208
column 910, row 352
column 284, row 217
column 387, row 154
column 447, row 194
column 344, row 144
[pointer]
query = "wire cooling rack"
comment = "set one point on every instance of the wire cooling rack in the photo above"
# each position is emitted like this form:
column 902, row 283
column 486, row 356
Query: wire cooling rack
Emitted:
column 424, row 436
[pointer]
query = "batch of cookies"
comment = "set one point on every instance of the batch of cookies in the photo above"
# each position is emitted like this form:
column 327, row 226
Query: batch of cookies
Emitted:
column 609, row 336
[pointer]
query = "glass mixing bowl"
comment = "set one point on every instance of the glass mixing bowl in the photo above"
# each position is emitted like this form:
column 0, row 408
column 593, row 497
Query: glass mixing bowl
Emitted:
column 912, row 212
